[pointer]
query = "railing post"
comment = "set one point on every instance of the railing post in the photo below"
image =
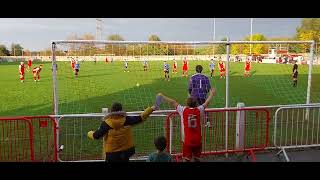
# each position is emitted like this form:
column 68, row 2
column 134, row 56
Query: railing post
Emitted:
column 240, row 127
column 171, row 135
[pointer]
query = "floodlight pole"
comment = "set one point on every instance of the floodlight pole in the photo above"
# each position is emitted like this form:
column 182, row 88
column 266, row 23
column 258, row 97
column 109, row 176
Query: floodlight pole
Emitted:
column 214, row 33
column 251, row 35
column 214, row 29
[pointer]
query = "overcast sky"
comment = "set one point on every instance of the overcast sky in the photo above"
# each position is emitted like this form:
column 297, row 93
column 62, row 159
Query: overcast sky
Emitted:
column 36, row 33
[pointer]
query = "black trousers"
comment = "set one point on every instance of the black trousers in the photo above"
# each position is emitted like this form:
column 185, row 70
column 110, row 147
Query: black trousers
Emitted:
column 120, row 156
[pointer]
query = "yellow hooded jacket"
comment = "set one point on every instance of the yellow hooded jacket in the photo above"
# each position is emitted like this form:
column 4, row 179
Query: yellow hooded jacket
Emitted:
column 116, row 130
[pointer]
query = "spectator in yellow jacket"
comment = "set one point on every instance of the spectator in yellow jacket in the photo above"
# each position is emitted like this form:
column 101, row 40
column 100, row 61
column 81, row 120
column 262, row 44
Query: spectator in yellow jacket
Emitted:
column 116, row 130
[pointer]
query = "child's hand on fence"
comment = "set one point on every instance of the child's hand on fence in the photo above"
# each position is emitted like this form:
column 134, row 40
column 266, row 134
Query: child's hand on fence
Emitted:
column 213, row 91
column 90, row 134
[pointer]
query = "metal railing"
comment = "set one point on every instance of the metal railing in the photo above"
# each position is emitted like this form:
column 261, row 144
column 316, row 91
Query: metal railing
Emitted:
column 28, row 138
column 296, row 127
column 64, row 137
column 247, row 130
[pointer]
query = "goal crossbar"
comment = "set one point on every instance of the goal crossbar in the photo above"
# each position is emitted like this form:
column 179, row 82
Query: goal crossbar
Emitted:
column 177, row 42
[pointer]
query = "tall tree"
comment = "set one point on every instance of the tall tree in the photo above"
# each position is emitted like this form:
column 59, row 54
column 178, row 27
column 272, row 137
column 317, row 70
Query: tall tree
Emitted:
column 72, row 48
column 309, row 24
column 115, row 37
column 87, row 49
column 308, row 30
column 256, row 48
column 4, row 51
column 154, row 37
column 16, row 49
column 221, row 48
column 157, row 49
column 87, row 36
column 115, row 49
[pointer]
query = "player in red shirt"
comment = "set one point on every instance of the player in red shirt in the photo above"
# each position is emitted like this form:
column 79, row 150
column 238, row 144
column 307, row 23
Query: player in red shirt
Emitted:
column 175, row 65
column 185, row 67
column 21, row 71
column 72, row 63
column 29, row 64
column 247, row 68
column 36, row 72
column 191, row 117
column 107, row 60
column 222, row 69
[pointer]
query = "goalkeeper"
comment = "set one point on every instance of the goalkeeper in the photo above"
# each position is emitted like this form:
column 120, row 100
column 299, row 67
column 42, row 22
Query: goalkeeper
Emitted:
column 116, row 130
column 199, row 86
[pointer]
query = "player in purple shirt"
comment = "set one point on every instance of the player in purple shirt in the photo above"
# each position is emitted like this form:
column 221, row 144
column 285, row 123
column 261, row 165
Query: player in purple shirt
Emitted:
column 199, row 86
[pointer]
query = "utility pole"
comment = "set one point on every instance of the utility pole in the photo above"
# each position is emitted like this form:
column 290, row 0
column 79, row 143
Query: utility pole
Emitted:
column 98, row 28
column 251, row 36
column 214, row 33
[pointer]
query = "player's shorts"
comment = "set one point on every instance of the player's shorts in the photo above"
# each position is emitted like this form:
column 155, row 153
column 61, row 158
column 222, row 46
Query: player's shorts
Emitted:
column 166, row 71
column 126, row 67
column 247, row 69
column 191, row 151
column 212, row 70
column 185, row 68
column 295, row 75
column 77, row 70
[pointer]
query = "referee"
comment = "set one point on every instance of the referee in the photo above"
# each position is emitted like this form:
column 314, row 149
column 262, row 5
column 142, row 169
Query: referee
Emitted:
column 295, row 74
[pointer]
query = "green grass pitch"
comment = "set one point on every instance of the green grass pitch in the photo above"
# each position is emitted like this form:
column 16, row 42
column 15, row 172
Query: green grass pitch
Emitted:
column 98, row 85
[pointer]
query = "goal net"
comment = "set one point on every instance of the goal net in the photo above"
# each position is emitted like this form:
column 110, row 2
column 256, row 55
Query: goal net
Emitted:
column 132, row 73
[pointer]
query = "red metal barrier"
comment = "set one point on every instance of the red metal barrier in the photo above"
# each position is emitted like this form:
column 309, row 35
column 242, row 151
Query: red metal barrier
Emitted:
column 28, row 138
column 247, row 131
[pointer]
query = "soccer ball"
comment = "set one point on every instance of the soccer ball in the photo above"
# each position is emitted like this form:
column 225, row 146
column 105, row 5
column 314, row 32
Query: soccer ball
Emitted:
column 137, row 84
